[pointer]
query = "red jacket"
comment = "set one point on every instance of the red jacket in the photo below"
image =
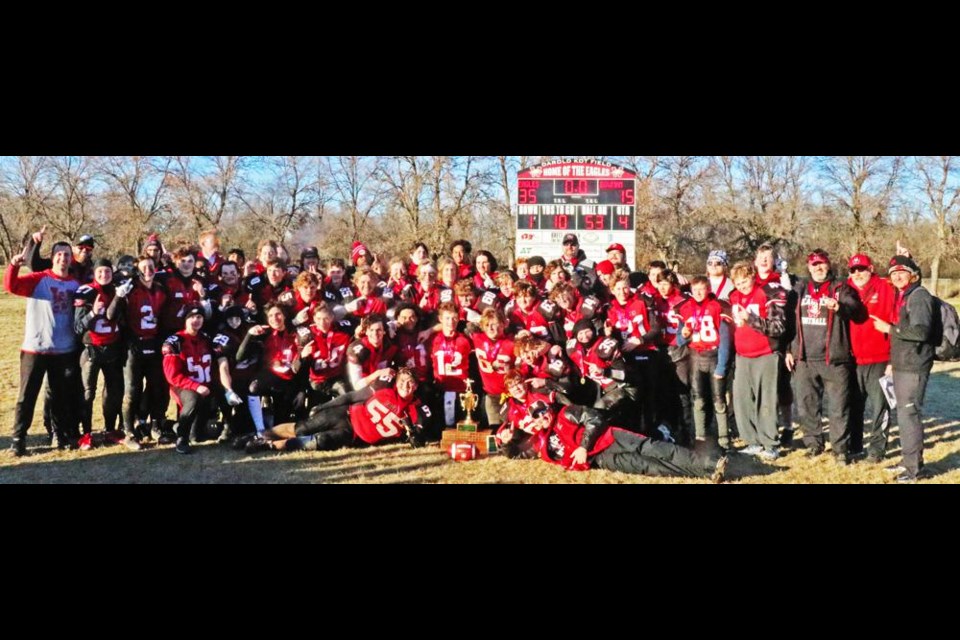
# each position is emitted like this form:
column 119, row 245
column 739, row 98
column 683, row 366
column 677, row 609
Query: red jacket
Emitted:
column 869, row 345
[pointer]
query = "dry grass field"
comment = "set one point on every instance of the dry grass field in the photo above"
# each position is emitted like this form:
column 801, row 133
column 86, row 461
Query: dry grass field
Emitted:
column 398, row 464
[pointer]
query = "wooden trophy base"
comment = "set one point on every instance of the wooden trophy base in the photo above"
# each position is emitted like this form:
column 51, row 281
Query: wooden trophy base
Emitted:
column 470, row 433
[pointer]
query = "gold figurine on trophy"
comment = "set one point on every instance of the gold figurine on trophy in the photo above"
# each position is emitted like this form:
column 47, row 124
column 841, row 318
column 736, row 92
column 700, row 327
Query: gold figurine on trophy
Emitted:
column 468, row 400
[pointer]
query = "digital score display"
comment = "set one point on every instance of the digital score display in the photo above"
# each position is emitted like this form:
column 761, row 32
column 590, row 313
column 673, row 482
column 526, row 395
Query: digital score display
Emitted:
column 580, row 218
column 620, row 192
column 594, row 199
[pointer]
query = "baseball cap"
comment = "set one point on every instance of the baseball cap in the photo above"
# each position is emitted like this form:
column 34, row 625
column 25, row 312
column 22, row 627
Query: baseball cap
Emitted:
column 859, row 260
column 616, row 246
column 818, row 256
column 85, row 241
column 605, row 267
column 571, row 238
column 309, row 252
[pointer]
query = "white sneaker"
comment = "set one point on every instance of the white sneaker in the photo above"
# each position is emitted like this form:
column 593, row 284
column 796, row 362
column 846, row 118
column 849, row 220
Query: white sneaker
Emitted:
column 751, row 450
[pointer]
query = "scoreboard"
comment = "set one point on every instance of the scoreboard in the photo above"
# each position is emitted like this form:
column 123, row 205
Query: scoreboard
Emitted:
column 595, row 200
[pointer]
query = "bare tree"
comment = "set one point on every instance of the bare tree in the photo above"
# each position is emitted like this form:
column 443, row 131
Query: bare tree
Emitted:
column 940, row 182
column 71, row 208
column 139, row 184
column 202, row 187
column 678, row 183
column 405, row 177
column 287, row 200
column 864, row 188
column 434, row 193
column 26, row 192
column 356, row 187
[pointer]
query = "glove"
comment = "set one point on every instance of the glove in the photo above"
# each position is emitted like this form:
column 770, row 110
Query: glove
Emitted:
column 414, row 434
column 665, row 432
column 124, row 289
column 232, row 398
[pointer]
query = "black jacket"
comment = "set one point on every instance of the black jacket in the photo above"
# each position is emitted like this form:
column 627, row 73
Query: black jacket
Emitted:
column 912, row 337
column 851, row 309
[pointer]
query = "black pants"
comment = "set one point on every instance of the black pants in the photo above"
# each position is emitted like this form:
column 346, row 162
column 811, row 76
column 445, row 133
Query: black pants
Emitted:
column 282, row 393
column 811, row 380
column 910, row 387
column 326, row 429
column 620, row 405
column 194, row 411
column 140, row 403
column 677, row 406
column 76, row 398
column 320, row 392
column 867, row 400
column 646, row 374
column 63, row 373
column 109, row 360
column 633, row 453
column 709, row 392
column 236, row 420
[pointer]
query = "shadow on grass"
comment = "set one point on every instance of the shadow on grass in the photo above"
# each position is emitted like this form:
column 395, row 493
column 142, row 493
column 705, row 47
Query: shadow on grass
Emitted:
column 745, row 466
column 948, row 463
column 208, row 464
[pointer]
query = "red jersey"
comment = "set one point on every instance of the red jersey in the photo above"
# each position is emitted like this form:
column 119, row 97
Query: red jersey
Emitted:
column 591, row 365
column 427, row 301
column 495, row 359
column 327, row 356
column 380, row 419
column 180, row 293
column 279, row 353
column 365, row 358
column 635, row 319
column 367, row 305
column 521, row 414
column 558, row 444
column 299, row 304
column 225, row 345
column 768, row 303
column 451, row 359
column 533, row 321
column 413, row 354
column 143, row 310
column 101, row 330
column 187, row 360
column 704, row 320
column 669, row 320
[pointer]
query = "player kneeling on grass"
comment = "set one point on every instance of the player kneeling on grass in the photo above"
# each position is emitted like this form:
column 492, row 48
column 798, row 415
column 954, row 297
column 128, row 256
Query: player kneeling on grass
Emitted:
column 377, row 417
column 579, row 438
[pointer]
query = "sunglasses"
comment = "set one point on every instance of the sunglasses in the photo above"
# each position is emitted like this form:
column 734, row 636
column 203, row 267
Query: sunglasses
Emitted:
column 858, row 269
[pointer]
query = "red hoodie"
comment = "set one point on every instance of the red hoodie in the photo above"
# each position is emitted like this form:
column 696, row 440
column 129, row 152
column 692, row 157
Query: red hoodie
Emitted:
column 869, row 345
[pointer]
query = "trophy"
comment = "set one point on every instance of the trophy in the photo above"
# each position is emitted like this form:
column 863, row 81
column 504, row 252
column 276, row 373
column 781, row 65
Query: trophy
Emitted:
column 467, row 431
column 468, row 400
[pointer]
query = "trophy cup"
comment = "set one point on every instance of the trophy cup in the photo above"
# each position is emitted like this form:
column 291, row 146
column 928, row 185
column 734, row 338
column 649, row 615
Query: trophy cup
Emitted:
column 468, row 400
column 467, row 431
